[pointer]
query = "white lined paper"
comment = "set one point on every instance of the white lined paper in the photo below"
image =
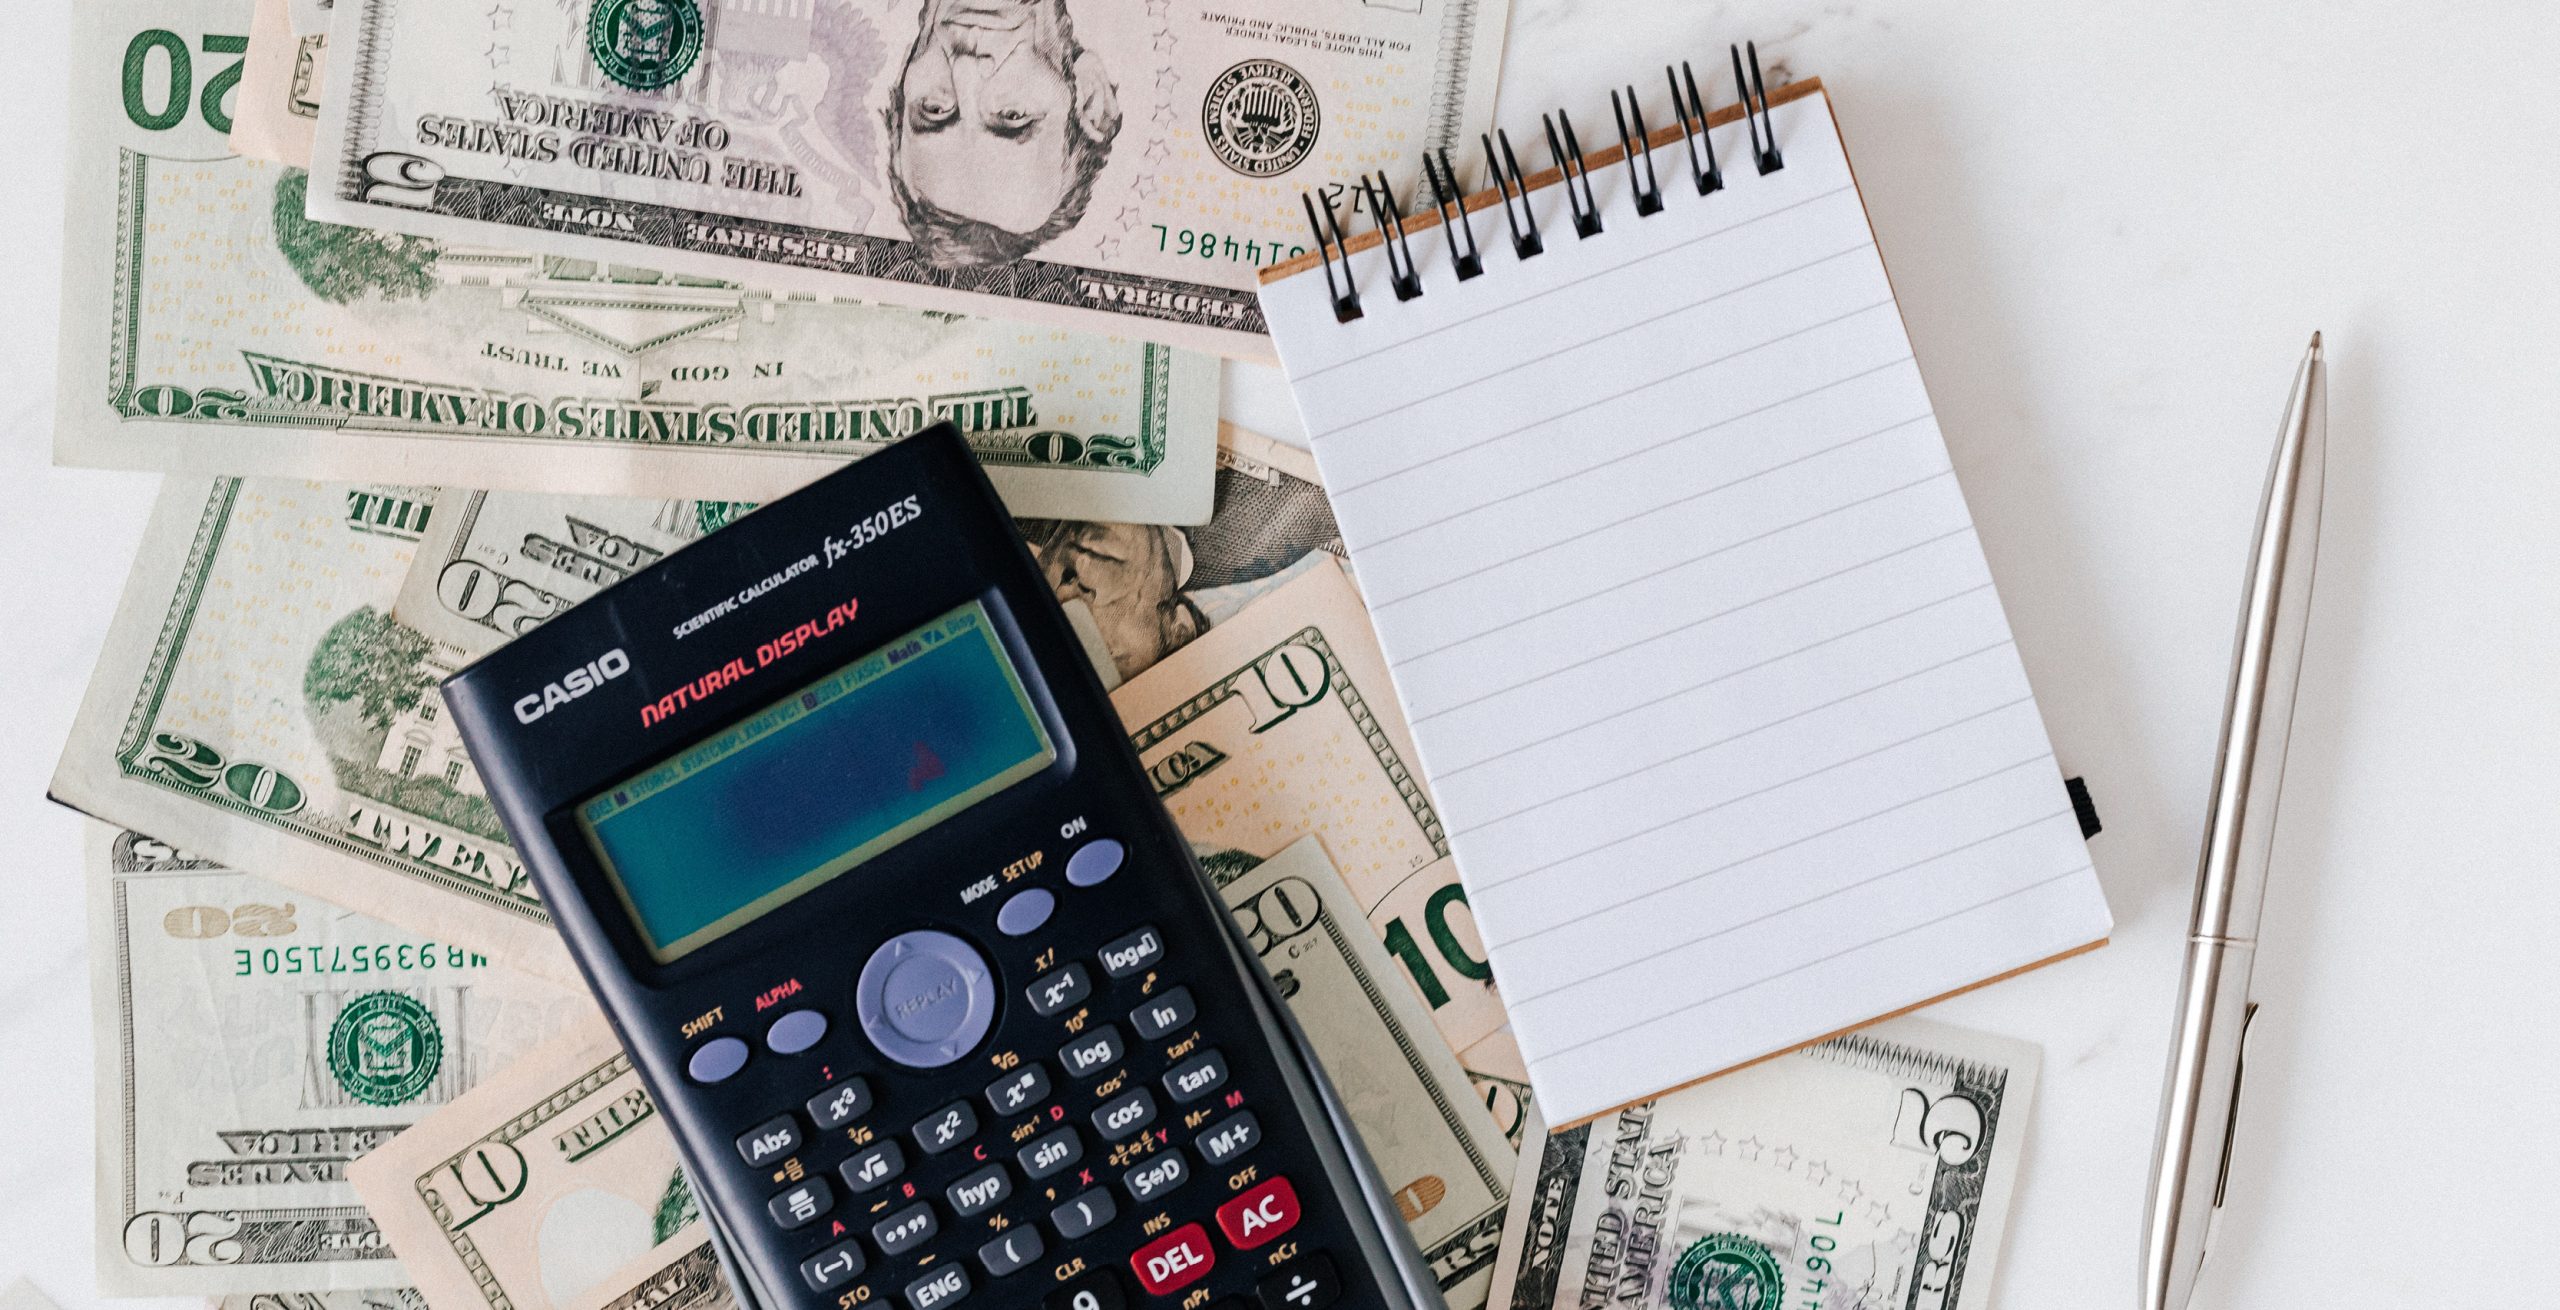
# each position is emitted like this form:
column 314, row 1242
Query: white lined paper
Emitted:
column 1703, row 661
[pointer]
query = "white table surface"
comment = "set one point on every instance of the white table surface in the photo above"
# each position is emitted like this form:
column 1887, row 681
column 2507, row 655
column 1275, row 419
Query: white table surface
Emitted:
column 2112, row 226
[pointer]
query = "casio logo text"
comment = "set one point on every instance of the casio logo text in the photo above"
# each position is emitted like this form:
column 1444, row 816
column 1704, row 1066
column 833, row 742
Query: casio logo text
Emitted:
column 577, row 682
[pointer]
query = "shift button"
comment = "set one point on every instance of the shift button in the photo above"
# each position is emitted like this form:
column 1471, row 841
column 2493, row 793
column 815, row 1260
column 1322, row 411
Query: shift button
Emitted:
column 715, row 1060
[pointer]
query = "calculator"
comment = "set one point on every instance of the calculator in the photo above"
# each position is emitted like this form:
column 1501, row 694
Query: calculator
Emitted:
column 834, row 815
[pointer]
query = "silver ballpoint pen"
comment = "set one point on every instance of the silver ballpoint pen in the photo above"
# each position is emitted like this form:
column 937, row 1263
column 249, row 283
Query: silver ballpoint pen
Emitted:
column 2199, row 1108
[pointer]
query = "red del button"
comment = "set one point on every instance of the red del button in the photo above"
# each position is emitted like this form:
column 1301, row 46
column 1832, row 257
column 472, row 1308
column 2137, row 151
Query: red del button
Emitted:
column 1175, row 1260
column 1259, row 1215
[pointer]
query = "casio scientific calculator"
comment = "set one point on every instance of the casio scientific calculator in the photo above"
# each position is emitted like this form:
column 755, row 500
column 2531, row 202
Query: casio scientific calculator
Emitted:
column 837, row 821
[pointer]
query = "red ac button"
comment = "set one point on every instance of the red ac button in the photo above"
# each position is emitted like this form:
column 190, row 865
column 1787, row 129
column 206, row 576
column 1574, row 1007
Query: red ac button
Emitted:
column 1259, row 1215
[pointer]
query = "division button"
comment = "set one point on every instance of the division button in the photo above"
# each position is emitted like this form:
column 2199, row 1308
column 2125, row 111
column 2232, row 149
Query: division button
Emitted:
column 832, row 1268
column 979, row 1192
column 1081, row 1214
column 1138, row 950
column 1259, row 1215
column 795, row 1032
column 1019, row 1090
column 906, row 1230
column 1025, row 912
column 946, row 1128
column 876, row 1164
column 1093, row 862
column 769, row 1141
column 1177, row 1260
column 1196, row 1077
column 1125, row 1114
column 715, row 1060
column 1230, row 1137
column 1092, row 1053
column 1097, row 1289
column 803, row 1204
column 1052, row 992
column 1156, row 1175
column 1306, row 1283
column 840, row 1105
column 1162, row 1014
column 1010, row 1252
column 1049, row 1153
column 925, row 998
column 938, row 1289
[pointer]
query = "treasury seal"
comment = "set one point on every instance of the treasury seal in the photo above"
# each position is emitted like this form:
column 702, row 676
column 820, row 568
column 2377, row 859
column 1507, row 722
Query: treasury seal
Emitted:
column 1260, row 117
column 645, row 44
column 385, row 1048
column 1725, row 1271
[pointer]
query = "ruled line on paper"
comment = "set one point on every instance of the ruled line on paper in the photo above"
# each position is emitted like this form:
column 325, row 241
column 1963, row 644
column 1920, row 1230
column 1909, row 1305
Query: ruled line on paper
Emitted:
column 1678, row 819
column 1515, row 997
column 1443, row 775
column 1418, row 719
column 1819, row 960
column 1558, row 797
column 1347, row 492
column 1762, row 854
column 1673, row 249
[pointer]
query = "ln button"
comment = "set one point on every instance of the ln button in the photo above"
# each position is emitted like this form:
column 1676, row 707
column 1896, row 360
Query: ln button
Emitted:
column 1259, row 1215
column 1174, row 1261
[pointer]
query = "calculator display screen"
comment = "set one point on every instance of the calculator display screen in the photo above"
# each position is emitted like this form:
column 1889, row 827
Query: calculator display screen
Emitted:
column 818, row 782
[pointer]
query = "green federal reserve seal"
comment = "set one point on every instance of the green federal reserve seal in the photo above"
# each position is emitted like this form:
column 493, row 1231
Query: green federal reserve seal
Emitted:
column 1726, row 1271
column 645, row 44
column 385, row 1048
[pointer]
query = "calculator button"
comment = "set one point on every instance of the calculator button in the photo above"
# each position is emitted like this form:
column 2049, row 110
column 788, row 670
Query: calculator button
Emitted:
column 840, row 1105
column 1052, row 992
column 795, row 1032
column 1156, row 1176
column 946, row 1128
column 979, row 1192
column 715, row 1060
column 906, row 1230
column 803, row 1204
column 832, row 1268
column 1011, row 1252
column 1048, row 1154
column 876, row 1164
column 1092, row 1053
column 1097, row 1290
column 1175, row 1260
column 1306, row 1283
column 1162, row 1014
column 1231, row 1137
column 1138, row 950
column 1196, row 1077
column 1259, row 1215
column 769, row 1141
column 1082, row 1214
column 925, row 998
column 1019, row 1090
column 938, row 1289
column 1025, row 912
column 1125, row 1114
column 1093, row 862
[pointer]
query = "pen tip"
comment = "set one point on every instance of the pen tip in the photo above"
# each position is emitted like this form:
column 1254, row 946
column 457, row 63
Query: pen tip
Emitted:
column 2315, row 344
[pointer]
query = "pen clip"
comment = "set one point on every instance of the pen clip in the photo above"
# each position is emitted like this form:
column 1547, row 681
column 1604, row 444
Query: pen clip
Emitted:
column 2231, row 1126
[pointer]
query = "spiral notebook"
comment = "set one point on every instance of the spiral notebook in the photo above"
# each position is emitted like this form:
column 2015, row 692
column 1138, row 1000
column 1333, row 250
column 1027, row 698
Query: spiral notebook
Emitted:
column 1709, row 679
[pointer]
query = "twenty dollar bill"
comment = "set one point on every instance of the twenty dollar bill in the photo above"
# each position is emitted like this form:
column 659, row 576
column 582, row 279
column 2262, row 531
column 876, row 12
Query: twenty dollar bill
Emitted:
column 253, row 1040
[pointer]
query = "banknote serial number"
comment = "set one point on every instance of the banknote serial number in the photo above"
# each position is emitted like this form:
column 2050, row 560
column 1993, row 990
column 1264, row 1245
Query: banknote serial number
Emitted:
column 1219, row 245
column 286, row 961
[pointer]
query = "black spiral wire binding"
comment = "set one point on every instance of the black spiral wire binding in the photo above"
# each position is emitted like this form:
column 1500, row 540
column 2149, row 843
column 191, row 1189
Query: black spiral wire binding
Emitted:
column 1637, row 152
column 1407, row 276
column 1568, row 157
column 1346, row 297
column 1513, row 184
column 1452, row 204
column 1769, row 159
column 1693, row 129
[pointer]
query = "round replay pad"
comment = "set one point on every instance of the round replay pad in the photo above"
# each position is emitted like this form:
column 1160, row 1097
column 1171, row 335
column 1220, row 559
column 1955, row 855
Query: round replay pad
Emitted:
column 925, row 998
